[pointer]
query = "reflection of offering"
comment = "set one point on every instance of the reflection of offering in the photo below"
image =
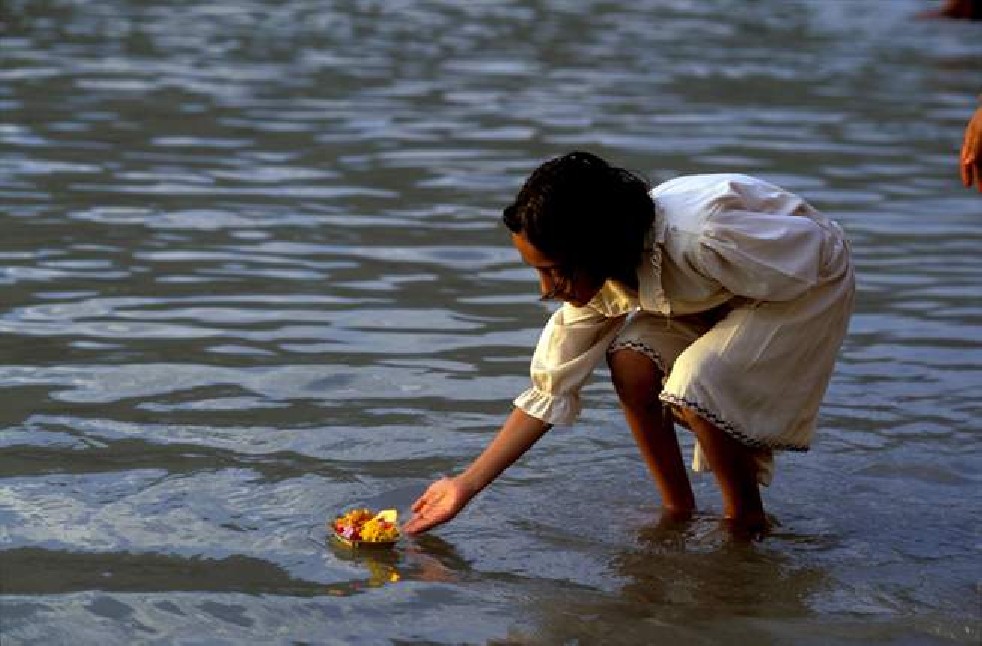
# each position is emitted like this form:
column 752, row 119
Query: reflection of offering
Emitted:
column 428, row 558
column 381, row 572
column 384, row 566
column 363, row 528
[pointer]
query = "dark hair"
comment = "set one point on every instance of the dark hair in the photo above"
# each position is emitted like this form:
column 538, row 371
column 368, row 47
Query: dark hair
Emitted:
column 585, row 214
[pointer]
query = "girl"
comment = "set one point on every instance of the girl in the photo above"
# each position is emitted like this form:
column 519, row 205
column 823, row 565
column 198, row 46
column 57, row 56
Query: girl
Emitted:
column 719, row 301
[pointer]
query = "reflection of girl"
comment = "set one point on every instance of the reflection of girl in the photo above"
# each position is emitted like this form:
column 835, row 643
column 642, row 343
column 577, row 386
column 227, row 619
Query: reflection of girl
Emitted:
column 721, row 299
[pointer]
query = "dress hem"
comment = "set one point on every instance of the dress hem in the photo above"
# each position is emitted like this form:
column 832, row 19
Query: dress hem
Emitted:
column 729, row 428
column 640, row 348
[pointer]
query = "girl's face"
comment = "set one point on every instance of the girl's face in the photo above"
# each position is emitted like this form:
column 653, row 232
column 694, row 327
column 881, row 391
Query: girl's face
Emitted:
column 562, row 283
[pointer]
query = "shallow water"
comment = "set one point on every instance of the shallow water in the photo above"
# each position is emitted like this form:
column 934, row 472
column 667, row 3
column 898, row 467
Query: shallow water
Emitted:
column 252, row 273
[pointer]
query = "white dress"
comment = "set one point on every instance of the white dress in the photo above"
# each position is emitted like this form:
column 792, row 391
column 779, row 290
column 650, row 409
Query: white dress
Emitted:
column 743, row 300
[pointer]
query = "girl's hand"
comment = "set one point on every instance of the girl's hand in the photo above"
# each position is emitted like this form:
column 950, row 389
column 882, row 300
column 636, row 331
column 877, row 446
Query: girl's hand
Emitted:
column 441, row 502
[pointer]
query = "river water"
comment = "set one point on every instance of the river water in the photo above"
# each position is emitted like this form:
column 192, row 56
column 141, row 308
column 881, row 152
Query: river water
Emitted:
column 252, row 274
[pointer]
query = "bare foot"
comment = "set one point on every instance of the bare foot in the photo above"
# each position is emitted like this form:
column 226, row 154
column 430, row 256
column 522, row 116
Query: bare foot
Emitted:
column 752, row 528
column 675, row 517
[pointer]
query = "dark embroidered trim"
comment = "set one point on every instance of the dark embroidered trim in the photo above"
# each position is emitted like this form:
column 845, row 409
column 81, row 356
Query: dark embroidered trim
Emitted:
column 728, row 428
column 641, row 348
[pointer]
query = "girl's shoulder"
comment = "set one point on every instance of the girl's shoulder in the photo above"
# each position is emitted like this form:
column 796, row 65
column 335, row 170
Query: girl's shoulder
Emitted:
column 714, row 185
column 689, row 200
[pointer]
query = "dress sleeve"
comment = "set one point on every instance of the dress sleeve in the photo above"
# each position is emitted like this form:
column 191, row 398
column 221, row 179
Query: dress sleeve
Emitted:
column 571, row 345
column 762, row 256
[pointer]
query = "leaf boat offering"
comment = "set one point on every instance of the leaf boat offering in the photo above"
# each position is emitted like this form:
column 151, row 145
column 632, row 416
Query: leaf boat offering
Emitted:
column 363, row 528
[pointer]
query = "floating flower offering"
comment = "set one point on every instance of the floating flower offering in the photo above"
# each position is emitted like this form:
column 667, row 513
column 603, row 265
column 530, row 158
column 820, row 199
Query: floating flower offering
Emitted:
column 362, row 527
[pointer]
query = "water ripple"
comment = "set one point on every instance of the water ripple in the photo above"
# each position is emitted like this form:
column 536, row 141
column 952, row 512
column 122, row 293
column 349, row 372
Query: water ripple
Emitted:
column 254, row 272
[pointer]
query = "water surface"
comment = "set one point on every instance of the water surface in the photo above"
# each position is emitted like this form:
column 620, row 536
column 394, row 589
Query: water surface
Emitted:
column 252, row 273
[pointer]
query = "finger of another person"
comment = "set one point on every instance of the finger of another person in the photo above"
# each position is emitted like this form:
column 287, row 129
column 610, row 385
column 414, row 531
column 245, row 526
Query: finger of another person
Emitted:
column 972, row 173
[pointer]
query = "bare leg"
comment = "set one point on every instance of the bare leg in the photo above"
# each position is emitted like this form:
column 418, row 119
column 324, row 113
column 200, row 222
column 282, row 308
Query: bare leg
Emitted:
column 638, row 382
column 735, row 469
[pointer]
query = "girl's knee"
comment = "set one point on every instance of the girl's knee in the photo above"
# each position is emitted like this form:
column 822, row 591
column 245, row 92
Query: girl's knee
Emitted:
column 636, row 377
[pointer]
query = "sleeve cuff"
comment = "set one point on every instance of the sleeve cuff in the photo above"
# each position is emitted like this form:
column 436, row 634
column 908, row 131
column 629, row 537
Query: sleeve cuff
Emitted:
column 550, row 409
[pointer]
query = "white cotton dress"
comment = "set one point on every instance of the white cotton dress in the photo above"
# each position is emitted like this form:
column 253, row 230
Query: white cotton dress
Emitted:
column 744, row 297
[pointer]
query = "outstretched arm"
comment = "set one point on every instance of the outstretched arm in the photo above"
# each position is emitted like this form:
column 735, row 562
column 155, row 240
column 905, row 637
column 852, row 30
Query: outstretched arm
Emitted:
column 446, row 497
column 971, row 157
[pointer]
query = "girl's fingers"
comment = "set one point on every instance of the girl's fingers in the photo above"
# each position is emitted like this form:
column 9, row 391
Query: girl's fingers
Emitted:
column 416, row 526
column 424, row 499
column 431, row 497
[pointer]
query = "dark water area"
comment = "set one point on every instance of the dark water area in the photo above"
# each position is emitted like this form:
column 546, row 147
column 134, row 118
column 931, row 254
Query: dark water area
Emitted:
column 252, row 273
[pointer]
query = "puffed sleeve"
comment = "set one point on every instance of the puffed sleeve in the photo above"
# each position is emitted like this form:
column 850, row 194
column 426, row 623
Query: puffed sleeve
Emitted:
column 572, row 343
column 762, row 256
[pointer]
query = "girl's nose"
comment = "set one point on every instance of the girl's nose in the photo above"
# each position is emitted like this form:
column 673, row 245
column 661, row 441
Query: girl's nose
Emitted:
column 546, row 284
